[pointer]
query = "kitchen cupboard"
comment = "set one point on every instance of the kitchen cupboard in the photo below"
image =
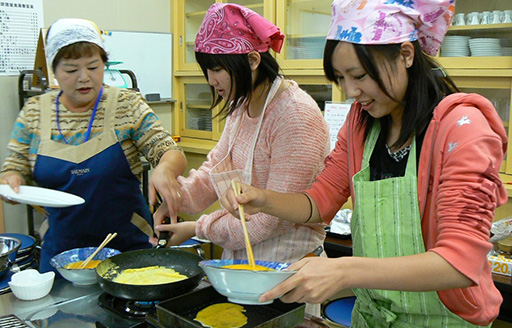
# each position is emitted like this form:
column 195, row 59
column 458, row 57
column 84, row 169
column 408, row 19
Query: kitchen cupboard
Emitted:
column 300, row 59
column 488, row 70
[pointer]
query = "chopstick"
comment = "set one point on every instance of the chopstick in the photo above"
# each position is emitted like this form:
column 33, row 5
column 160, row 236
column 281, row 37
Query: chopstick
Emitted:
column 107, row 239
column 250, row 255
column 41, row 210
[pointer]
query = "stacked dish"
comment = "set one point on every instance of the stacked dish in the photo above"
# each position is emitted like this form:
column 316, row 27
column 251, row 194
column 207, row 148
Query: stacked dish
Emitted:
column 26, row 258
column 455, row 46
column 482, row 47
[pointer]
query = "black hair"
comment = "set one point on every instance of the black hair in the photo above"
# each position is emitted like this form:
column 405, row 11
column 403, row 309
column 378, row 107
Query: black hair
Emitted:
column 239, row 70
column 428, row 85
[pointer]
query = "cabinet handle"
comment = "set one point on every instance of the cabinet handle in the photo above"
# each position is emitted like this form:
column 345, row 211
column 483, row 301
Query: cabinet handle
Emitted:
column 181, row 40
column 181, row 106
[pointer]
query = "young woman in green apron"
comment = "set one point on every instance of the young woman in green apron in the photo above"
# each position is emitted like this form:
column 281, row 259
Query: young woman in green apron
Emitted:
column 87, row 139
column 421, row 163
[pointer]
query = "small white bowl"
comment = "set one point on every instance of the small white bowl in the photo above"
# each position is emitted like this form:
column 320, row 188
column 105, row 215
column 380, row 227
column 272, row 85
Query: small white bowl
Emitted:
column 31, row 285
column 244, row 286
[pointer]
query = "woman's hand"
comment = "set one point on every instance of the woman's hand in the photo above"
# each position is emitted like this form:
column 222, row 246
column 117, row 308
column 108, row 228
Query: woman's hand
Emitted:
column 160, row 215
column 253, row 199
column 316, row 280
column 14, row 180
column 179, row 231
column 164, row 183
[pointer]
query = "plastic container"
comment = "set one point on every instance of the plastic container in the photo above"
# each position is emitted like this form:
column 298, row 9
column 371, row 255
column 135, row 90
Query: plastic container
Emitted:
column 505, row 248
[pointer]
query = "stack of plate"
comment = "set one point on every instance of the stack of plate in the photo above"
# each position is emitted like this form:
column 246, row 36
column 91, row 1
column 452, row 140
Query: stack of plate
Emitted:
column 455, row 46
column 485, row 47
column 506, row 51
column 26, row 257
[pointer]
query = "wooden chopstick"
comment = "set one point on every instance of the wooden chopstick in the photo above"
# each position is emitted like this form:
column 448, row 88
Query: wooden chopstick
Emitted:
column 107, row 239
column 41, row 210
column 250, row 255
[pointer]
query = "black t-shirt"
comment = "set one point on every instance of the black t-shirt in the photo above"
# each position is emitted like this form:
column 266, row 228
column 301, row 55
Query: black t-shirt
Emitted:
column 383, row 166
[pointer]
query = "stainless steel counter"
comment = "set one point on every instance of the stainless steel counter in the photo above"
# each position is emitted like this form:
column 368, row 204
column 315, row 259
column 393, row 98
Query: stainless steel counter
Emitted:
column 66, row 306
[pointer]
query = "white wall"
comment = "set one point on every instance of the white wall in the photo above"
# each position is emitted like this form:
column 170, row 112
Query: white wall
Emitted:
column 125, row 15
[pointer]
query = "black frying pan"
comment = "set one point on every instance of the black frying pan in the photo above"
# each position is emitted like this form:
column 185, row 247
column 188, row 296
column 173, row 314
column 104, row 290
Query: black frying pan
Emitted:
column 182, row 261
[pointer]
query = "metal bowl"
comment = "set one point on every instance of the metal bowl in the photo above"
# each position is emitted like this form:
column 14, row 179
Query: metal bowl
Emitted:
column 8, row 250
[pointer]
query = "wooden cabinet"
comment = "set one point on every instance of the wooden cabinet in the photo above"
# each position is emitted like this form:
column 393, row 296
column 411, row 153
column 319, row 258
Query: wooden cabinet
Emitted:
column 189, row 15
column 300, row 59
column 305, row 24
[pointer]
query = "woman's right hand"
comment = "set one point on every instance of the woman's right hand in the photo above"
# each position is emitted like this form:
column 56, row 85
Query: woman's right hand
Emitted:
column 14, row 180
column 253, row 199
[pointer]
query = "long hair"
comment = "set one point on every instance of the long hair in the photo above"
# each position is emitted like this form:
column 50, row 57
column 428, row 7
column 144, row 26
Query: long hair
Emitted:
column 239, row 70
column 427, row 86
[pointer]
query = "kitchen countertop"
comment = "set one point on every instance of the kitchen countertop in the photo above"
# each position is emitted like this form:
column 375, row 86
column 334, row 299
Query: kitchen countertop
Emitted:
column 77, row 306
column 66, row 306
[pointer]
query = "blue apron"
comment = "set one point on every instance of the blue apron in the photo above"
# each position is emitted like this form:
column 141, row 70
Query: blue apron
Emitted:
column 97, row 171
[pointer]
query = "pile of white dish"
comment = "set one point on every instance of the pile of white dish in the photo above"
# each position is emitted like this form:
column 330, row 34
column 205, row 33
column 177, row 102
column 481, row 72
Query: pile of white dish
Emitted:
column 481, row 47
column 455, row 46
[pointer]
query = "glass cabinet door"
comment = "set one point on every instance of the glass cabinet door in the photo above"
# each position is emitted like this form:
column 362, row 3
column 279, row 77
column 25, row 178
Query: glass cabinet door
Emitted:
column 305, row 24
column 190, row 15
column 318, row 87
column 197, row 120
column 196, row 114
column 498, row 91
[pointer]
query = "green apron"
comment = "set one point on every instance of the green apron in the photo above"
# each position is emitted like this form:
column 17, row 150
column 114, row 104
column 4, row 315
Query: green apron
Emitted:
column 386, row 223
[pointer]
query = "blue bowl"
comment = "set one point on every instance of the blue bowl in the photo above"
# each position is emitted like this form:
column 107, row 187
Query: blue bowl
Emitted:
column 244, row 286
column 80, row 276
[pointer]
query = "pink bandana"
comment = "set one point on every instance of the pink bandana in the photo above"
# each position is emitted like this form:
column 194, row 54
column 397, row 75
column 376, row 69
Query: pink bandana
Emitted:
column 392, row 21
column 229, row 28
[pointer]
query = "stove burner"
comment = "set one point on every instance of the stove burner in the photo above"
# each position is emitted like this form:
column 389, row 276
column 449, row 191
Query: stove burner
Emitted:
column 128, row 309
column 139, row 308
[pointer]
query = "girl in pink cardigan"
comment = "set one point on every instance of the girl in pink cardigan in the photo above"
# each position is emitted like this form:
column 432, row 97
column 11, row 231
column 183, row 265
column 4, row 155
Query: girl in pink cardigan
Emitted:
column 421, row 162
column 275, row 137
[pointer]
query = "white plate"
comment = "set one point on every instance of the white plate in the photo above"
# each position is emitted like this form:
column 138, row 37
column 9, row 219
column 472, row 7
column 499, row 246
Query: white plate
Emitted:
column 40, row 196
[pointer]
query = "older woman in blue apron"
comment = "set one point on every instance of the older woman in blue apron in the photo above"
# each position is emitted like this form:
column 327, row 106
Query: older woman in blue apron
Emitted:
column 421, row 163
column 87, row 139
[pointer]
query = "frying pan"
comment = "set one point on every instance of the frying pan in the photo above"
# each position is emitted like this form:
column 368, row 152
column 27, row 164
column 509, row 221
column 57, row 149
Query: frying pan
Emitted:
column 183, row 262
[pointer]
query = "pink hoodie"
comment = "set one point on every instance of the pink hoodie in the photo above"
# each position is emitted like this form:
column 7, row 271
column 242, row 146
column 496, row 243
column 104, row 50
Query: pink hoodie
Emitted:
column 459, row 188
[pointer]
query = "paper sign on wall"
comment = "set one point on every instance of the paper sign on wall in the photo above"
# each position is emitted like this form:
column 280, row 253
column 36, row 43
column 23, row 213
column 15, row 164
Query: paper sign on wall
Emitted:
column 335, row 115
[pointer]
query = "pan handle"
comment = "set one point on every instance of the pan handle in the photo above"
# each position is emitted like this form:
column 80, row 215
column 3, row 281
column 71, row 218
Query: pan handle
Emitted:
column 164, row 236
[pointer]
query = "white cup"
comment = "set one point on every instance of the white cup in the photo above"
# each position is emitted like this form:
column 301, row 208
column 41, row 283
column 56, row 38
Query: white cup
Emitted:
column 473, row 18
column 496, row 17
column 459, row 20
column 485, row 18
column 507, row 17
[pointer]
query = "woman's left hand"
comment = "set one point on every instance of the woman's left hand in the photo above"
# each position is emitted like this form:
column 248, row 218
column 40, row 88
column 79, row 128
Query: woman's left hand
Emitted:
column 163, row 182
column 179, row 232
column 317, row 279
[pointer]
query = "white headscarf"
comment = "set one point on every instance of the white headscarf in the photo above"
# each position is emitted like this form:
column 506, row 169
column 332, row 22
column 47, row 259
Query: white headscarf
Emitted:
column 67, row 31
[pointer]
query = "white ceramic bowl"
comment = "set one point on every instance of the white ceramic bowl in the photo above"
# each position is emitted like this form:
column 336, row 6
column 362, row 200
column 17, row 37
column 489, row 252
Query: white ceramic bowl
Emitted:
column 80, row 276
column 31, row 285
column 244, row 286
